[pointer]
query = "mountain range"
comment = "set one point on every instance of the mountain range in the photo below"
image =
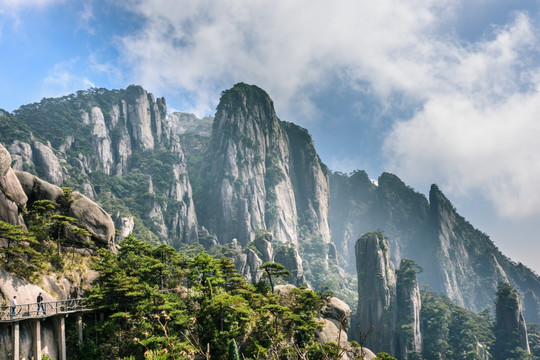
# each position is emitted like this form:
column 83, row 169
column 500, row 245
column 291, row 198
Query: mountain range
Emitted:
column 247, row 185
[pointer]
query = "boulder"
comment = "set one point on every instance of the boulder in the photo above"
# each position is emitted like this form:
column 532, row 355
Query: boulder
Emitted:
column 12, row 196
column 5, row 161
column 37, row 189
column 94, row 219
column 26, row 292
column 331, row 331
column 338, row 310
column 45, row 157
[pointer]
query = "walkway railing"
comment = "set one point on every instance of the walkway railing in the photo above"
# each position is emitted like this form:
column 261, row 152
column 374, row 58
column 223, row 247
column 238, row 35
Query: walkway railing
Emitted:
column 47, row 308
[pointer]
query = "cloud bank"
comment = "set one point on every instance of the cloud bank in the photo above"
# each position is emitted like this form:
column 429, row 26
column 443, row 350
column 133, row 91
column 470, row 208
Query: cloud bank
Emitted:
column 475, row 104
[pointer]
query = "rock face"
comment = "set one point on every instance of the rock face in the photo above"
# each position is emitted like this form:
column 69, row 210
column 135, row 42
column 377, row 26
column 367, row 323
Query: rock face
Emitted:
column 376, row 293
column 510, row 327
column 388, row 299
column 182, row 123
column 131, row 144
column 460, row 261
column 409, row 305
column 12, row 197
column 263, row 174
column 89, row 215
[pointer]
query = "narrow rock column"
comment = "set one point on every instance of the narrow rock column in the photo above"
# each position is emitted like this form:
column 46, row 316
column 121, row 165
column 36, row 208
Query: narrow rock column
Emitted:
column 37, row 339
column 61, row 331
column 376, row 292
column 80, row 328
column 16, row 340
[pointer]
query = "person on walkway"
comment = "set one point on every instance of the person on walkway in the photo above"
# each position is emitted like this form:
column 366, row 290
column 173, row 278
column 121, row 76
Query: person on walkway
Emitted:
column 40, row 304
column 13, row 306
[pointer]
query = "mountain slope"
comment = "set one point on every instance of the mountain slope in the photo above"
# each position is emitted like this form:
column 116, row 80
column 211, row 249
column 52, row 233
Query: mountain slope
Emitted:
column 458, row 260
column 116, row 147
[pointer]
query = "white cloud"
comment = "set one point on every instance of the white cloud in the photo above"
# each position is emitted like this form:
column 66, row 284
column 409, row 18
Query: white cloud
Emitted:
column 480, row 131
column 12, row 6
column 285, row 47
column 475, row 127
column 62, row 80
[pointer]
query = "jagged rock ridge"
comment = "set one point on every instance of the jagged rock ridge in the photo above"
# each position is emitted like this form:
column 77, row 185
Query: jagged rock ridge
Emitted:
column 459, row 260
column 130, row 145
column 262, row 175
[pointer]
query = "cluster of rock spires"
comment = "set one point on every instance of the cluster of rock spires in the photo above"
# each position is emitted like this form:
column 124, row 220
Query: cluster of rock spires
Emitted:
column 388, row 298
column 459, row 260
column 389, row 301
column 120, row 129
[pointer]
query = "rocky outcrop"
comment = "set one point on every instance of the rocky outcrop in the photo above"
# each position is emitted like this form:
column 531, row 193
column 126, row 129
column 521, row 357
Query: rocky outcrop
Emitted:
column 12, row 197
column 376, row 293
column 93, row 218
column 409, row 305
column 128, row 132
column 510, row 327
column 89, row 215
column 460, row 261
column 263, row 174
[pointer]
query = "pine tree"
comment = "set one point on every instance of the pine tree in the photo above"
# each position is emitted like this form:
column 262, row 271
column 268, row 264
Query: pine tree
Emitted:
column 233, row 350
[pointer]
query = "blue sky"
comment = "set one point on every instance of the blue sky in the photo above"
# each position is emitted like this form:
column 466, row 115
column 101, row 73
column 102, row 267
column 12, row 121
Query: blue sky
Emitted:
column 435, row 91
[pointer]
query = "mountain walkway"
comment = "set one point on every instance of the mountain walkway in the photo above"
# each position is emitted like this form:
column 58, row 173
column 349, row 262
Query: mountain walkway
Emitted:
column 49, row 308
column 57, row 310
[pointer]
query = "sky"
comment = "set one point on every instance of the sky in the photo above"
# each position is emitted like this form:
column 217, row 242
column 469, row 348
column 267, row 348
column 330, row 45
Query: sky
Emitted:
column 434, row 91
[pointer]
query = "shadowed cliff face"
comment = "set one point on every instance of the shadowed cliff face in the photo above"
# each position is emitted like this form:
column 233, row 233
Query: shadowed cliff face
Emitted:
column 459, row 260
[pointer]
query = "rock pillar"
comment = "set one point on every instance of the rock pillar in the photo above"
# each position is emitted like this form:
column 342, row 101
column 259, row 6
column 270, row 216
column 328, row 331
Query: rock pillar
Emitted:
column 60, row 322
column 37, row 339
column 16, row 346
column 376, row 292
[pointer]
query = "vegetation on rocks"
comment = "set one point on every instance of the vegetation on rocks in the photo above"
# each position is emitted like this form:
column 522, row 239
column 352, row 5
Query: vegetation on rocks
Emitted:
column 162, row 304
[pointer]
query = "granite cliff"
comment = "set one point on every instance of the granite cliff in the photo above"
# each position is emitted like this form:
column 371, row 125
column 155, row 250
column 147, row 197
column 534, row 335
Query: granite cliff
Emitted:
column 458, row 260
column 388, row 299
column 263, row 174
column 116, row 147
